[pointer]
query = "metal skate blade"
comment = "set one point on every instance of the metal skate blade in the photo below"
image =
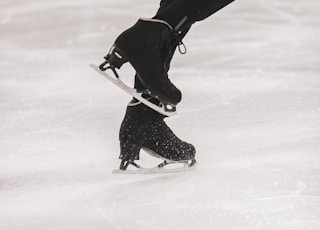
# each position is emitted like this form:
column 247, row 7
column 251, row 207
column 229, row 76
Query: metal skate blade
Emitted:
column 156, row 170
column 133, row 92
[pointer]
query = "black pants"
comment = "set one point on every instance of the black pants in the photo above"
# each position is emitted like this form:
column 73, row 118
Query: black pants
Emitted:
column 198, row 9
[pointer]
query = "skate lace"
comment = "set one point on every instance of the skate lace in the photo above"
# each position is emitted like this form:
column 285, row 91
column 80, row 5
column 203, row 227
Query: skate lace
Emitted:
column 182, row 50
column 170, row 41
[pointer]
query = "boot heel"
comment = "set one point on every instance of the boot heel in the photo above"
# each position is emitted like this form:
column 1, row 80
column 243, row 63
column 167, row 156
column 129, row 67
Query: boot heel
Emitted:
column 129, row 151
column 115, row 57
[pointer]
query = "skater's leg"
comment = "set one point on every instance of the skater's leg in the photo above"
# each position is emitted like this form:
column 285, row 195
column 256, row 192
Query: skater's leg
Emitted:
column 164, row 4
column 181, row 14
column 148, row 44
column 201, row 9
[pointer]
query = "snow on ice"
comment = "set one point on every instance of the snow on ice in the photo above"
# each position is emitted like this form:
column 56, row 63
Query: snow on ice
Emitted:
column 251, row 106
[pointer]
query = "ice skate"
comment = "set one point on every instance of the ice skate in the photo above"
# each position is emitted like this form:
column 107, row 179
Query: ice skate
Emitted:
column 144, row 128
column 141, row 93
column 146, row 46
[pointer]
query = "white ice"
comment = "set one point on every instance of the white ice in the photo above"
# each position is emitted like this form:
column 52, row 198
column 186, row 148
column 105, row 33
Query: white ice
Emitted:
column 251, row 106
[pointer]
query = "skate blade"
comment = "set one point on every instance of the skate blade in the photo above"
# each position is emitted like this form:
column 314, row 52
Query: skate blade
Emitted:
column 133, row 92
column 157, row 170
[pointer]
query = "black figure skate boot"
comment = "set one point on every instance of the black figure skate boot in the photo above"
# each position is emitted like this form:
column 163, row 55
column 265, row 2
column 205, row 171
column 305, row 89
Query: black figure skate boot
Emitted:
column 144, row 128
column 146, row 46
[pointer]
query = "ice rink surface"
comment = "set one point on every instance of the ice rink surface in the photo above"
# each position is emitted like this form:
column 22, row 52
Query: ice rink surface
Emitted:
column 251, row 106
